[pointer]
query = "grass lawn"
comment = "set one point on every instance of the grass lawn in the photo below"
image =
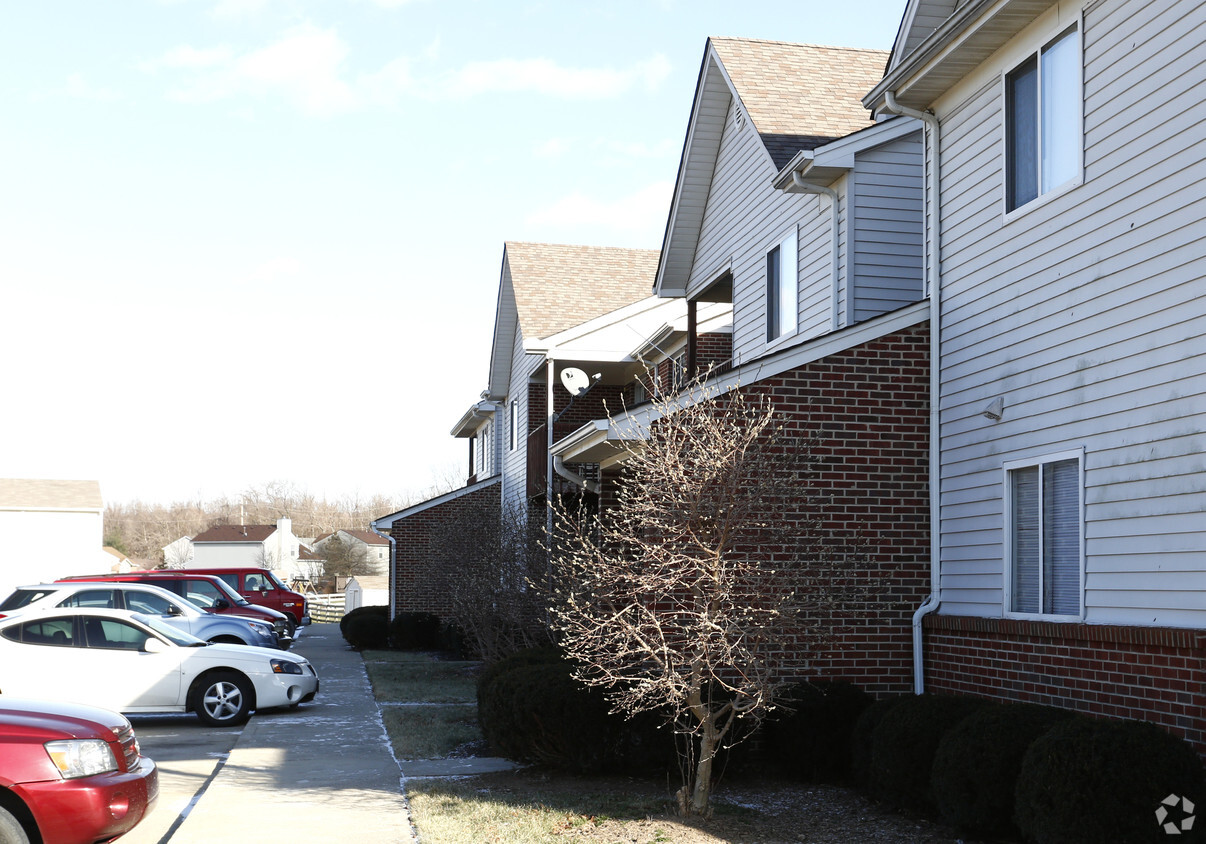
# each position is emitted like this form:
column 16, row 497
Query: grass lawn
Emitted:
column 430, row 711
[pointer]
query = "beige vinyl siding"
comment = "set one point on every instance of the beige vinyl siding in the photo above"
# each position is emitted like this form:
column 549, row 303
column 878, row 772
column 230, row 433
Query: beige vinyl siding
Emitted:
column 1085, row 312
column 746, row 217
column 888, row 247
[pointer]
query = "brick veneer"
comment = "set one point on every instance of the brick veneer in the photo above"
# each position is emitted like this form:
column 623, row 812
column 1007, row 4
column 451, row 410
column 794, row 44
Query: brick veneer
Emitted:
column 416, row 588
column 1155, row 674
column 869, row 410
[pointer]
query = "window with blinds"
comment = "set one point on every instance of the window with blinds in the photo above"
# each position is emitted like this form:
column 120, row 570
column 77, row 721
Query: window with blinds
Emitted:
column 1045, row 537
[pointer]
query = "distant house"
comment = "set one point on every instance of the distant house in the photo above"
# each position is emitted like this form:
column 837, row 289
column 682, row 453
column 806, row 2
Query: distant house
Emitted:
column 264, row 546
column 177, row 555
column 50, row 529
column 374, row 546
column 366, row 591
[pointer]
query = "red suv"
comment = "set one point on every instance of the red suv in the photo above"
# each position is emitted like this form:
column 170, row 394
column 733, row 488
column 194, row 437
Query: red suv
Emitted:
column 262, row 587
column 206, row 591
column 70, row 774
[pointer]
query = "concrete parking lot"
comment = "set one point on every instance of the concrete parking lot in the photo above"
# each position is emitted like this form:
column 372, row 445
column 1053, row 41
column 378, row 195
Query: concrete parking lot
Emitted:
column 319, row 773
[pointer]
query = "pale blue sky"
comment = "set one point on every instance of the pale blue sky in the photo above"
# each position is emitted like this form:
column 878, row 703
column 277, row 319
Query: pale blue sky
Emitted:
column 245, row 241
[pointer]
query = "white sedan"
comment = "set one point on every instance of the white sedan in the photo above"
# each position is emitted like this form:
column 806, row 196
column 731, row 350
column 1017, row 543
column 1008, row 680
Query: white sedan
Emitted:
column 135, row 663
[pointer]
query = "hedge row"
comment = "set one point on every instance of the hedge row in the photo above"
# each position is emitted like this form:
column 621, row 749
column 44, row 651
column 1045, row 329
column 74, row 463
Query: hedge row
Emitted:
column 531, row 709
column 1046, row 774
column 371, row 627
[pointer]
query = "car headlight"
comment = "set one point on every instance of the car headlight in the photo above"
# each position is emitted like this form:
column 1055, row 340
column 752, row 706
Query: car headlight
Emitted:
column 81, row 757
column 262, row 629
column 284, row 666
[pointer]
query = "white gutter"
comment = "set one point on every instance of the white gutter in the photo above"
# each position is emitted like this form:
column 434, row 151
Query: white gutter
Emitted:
column 934, row 283
column 588, row 485
column 393, row 567
column 835, row 279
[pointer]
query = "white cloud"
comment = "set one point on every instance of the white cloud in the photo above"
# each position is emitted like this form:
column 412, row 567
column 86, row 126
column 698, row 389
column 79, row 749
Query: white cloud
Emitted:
column 643, row 212
column 308, row 67
column 547, row 77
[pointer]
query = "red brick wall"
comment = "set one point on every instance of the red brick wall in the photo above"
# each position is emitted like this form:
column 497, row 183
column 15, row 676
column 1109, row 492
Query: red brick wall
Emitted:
column 1155, row 674
column 415, row 587
column 869, row 411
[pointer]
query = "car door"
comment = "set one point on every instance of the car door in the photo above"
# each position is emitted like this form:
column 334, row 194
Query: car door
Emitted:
column 39, row 658
column 119, row 671
column 149, row 603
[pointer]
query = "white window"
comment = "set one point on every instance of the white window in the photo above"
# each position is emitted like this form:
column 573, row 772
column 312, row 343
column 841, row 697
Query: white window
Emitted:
column 782, row 294
column 514, row 424
column 1044, row 537
column 1043, row 121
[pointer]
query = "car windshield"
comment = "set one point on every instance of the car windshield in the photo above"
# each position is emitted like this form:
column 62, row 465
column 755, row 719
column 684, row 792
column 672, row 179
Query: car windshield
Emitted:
column 23, row 598
column 231, row 595
column 176, row 637
column 276, row 581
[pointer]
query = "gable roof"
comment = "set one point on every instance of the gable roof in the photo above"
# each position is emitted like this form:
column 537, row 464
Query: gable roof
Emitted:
column 800, row 96
column 366, row 536
column 19, row 494
column 236, row 533
column 797, row 96
column 547, row 288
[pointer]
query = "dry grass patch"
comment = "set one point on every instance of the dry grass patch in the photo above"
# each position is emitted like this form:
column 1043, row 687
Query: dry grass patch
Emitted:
column 531, row 807
column 406, row 677
column 430, row 732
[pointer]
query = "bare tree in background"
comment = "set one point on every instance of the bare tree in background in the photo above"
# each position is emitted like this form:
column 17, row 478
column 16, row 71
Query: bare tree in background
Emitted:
column 707, row 586
column 482, row 562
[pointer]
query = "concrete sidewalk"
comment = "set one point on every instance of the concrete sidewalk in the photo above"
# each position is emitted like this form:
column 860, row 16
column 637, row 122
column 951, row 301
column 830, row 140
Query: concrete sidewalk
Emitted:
column 324, row 772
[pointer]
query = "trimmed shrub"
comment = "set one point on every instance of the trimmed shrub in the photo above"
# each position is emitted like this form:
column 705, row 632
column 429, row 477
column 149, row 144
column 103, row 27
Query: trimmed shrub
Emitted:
column 366, row 627
column 812, row 740
column 903, row 747
column 978, row 761
column 415, row 631
column 531, row 709
column 1091, row 781
column 861, row 737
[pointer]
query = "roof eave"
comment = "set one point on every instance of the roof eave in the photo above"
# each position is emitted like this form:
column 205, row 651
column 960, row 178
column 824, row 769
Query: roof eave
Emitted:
column 968, row 37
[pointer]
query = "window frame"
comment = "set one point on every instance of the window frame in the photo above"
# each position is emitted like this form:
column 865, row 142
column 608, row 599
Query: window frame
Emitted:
column 1008, row 565
column 777, row 329
column 514, row 423
column 1078, row 132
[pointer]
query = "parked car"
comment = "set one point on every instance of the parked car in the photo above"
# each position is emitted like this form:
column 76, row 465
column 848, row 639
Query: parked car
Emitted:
column 146, row 599
column 262, row 587
column 70, row 774
column 131, row 662
column 206, row 591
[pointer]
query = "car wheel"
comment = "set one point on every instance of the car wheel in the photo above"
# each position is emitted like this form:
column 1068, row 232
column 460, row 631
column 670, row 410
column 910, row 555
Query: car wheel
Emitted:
column 290, row 625
column 224, row 699
column 11, row 831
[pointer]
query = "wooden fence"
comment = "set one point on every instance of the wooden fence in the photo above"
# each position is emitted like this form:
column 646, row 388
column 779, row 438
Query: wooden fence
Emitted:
column 326, row 608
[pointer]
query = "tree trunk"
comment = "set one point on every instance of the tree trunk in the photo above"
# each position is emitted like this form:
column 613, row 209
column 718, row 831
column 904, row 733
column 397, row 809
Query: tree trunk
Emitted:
column 702, row 793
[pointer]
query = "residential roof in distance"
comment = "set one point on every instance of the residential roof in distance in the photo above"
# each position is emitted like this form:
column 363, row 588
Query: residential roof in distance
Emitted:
column 18, row 494
column 366, row 536
column 559, row 286
column 800, row 96
column 236, row 533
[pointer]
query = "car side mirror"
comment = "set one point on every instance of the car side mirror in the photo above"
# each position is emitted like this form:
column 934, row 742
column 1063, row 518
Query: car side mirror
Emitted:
column 154, row 646
column 221, row 604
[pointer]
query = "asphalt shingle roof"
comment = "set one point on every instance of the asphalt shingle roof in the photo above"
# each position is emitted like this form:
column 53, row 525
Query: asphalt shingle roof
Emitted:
column 50, row 495
column 557, row 286
column 236, row 533
column 800, row 96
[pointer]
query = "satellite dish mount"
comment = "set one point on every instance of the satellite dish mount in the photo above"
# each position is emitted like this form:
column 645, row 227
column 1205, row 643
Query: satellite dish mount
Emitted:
column 577, row 383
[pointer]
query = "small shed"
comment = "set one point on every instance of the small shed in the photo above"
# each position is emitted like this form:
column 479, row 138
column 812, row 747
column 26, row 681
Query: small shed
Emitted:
column 366, row 591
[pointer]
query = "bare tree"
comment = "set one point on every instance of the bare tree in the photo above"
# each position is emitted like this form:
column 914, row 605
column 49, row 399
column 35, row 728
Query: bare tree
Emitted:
column 482, row 563
column 707, row 587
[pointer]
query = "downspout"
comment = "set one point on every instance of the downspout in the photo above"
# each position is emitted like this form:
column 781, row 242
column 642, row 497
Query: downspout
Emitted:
column 585, row 483
column 835, row 278
column 934, row 284
column 393, row 564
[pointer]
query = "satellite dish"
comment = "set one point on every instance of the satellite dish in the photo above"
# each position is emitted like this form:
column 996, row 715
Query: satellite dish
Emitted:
column 575, row 380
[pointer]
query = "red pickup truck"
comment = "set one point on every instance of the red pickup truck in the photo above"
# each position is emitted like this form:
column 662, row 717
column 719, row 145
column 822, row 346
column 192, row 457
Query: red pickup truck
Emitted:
column 70, row 774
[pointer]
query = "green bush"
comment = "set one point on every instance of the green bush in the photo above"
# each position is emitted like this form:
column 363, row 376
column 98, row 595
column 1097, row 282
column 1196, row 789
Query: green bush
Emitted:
column 366, row 627
column 977, row 764
column 531, row 709
column 415, row 631
column 903, row 747
column 1091, row 781
column 811, row 738
column 861, row 737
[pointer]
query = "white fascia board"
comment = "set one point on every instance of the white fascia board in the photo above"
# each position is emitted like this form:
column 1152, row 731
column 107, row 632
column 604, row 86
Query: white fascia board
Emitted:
column 472, row 420
column 386, row 522
column 825, row 164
